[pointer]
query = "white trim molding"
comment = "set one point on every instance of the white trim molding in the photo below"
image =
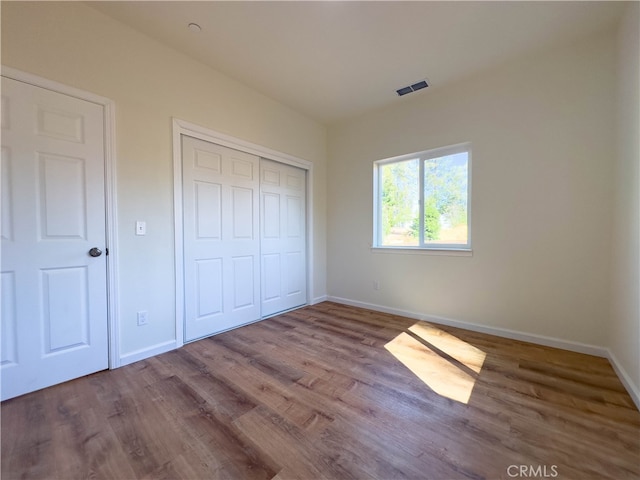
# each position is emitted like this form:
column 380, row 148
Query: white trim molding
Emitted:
column 203, row 133
column 147, row 352
column 109, row 119
column 320, row 299
column 181, row 127
column 632, row 388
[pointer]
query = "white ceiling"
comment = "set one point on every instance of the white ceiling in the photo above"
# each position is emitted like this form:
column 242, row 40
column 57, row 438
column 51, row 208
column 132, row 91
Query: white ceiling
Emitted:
column 332, row 59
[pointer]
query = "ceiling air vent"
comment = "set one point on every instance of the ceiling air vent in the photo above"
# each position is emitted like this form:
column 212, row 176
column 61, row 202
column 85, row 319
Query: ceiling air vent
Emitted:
column 412, row 88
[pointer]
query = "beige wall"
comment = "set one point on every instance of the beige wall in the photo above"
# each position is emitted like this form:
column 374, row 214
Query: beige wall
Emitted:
column 624, row 327
column 543, row 142
column 75, row 45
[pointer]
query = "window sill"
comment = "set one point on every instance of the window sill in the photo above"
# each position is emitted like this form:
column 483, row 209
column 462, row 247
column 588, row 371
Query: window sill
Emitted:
column 451, row 252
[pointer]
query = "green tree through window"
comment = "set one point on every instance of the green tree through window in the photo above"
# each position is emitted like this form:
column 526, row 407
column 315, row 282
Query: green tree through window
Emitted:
column 433, row 185
column 400, row 199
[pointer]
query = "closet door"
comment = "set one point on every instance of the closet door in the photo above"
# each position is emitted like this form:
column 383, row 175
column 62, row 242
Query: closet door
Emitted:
column 221, row 239
column 283, row 237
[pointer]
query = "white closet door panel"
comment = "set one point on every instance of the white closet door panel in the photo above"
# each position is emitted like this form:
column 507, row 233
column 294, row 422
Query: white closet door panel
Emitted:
column 270, row 215
column 271, row 274
column 294, row 283
column 9, row 345
column 208, row 210
column 221, row 243
column 295, row 217
column 242, row 213
column 6, row 232
column 209, row 293
column 283, row 237
column 243, row 275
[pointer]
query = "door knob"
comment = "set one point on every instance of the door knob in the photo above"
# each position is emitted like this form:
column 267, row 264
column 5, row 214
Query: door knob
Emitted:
column 95, row 252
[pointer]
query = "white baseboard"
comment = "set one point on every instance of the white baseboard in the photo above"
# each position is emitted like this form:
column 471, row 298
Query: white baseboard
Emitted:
column 320, row 299
column 624, row 377
column 143, row 353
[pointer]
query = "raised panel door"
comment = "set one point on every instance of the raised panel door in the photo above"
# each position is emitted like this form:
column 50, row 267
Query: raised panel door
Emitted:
column 221, row 244
column 283, row 237
column 54, row 294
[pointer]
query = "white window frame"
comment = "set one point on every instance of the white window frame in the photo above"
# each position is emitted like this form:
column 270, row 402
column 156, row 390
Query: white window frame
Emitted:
column 429, row 248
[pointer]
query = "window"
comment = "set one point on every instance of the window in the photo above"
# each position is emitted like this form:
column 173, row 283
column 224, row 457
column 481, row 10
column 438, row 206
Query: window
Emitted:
column 421, row 201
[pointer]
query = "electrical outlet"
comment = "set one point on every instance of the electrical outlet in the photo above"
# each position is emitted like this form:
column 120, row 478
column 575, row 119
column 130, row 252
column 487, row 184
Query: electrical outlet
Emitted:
column 376, row 285
column 141, row 228
column 143, row 318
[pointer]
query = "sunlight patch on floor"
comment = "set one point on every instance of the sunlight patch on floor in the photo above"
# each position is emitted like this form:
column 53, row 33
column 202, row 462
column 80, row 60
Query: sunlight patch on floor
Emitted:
column 446, row 364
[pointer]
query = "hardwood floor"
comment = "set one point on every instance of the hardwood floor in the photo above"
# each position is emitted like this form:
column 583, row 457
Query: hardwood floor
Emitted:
column 335, row 392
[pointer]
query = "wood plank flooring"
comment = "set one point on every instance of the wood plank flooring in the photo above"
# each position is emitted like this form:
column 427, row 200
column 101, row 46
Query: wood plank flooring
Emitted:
column 332, row 392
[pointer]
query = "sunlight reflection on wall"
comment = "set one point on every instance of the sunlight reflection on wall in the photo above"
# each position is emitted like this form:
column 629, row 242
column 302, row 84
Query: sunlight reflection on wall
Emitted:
column 448, row 365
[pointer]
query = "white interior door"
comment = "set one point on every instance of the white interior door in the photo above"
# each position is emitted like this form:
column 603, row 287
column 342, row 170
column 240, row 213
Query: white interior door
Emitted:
column 221, row 241
column 283, row 237
column 54, row 293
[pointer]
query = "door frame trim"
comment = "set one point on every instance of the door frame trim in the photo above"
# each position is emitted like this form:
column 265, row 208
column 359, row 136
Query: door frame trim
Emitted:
column 181, row 127
column 111, row 226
